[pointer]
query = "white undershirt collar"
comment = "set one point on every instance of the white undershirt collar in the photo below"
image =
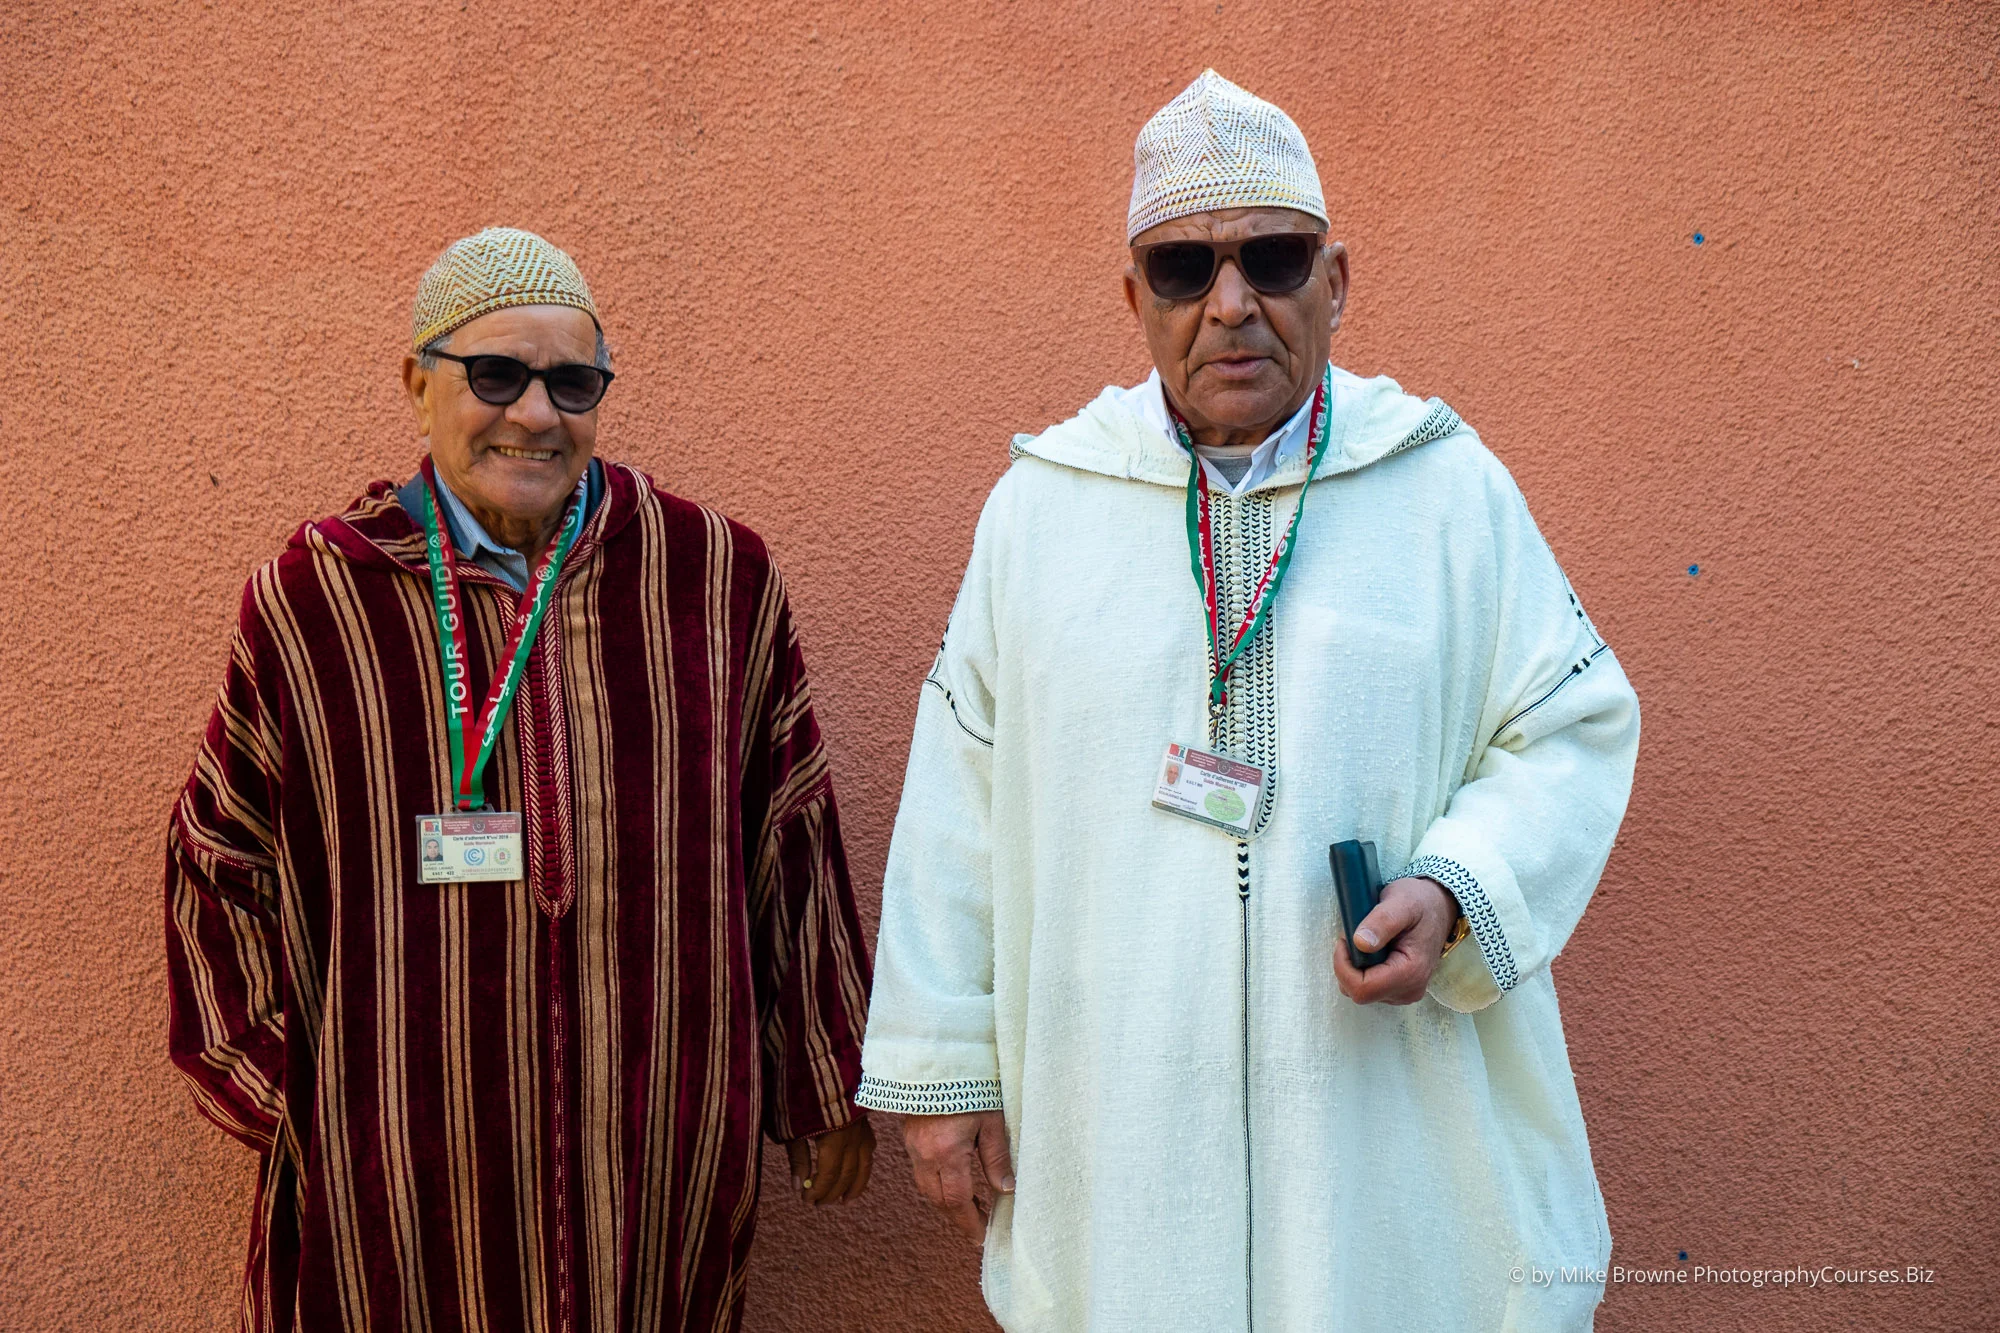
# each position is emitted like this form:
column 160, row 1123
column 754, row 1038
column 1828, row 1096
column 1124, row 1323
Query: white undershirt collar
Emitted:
column 1149, row 401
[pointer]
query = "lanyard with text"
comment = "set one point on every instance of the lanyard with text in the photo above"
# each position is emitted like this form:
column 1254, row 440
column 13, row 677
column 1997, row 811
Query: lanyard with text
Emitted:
column 471, row 749
column 1201, row 548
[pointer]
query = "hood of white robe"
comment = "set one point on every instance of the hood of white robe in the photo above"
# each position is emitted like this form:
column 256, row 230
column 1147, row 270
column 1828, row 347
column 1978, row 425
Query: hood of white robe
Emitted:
column 1372, row 419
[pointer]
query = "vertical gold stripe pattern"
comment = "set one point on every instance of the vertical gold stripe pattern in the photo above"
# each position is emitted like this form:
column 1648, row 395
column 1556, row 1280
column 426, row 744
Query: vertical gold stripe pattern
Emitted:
column 419, row 1176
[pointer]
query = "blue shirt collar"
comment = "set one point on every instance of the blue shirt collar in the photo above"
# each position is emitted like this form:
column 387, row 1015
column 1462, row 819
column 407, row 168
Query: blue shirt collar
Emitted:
column 472, row 541
column 467, row 534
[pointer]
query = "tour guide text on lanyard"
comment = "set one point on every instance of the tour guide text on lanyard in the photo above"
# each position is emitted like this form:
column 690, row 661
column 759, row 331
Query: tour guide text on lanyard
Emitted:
column 1201, row 548
column 466, row 765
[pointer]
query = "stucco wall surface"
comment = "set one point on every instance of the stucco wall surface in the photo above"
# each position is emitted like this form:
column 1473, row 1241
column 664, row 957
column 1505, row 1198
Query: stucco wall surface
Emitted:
column 1720, row 283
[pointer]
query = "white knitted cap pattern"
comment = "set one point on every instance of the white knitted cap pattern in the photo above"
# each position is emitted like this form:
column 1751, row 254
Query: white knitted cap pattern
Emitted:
column 1217, row 146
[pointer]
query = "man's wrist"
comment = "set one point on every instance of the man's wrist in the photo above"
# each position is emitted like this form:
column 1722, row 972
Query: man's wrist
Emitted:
column 1456, row 926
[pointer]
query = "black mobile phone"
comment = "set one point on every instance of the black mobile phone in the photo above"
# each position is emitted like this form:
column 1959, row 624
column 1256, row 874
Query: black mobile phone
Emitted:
column 1357, row 887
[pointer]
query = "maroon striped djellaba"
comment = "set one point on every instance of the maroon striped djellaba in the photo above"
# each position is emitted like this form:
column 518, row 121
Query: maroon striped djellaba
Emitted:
column 535, row 1105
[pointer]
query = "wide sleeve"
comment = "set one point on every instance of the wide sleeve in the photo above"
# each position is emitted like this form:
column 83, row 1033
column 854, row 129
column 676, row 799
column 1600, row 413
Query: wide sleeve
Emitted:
column 1522, row 841
column 809, row 956
column 930, row 1044
column 225, row 977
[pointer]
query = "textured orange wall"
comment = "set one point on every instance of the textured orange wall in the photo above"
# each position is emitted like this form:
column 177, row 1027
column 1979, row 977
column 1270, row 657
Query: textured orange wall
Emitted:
column 843, row 253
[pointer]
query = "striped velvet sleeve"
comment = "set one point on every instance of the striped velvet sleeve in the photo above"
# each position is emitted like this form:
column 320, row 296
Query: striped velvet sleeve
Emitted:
column 810, row 958
column 226, row 1026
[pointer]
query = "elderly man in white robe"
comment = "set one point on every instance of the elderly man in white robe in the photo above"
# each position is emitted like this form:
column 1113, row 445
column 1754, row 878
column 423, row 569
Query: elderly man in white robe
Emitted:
column 1131, row 1052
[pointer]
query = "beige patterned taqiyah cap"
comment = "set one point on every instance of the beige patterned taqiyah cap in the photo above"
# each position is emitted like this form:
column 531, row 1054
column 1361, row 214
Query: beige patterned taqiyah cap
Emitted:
column 499, row 267
column 1217, row 146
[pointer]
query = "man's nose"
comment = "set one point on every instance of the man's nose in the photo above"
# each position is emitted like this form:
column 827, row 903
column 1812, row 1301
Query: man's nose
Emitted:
column 1232, row 300
column 533, row 411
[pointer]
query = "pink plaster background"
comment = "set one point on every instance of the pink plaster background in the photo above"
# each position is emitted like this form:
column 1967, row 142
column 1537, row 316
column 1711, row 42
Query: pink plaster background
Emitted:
column 843, row 253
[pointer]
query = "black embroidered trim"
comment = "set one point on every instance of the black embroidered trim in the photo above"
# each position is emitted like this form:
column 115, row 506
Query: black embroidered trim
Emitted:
column 1479, row 913
column 952, row 704
column 933, row 679
column 958, row 1097
column 1439, row 422
column 1576, row 605
column 1575, row 670
column 1249, row 730
column 1597, row 645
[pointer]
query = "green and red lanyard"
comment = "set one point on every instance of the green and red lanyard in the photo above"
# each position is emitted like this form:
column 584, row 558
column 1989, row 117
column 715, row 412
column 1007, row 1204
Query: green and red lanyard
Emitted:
column 1201, row 548
column 470, row 750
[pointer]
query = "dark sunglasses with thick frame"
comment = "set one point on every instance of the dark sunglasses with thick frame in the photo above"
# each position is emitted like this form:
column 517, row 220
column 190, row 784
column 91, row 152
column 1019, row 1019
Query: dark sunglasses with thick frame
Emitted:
column 573, row 387
column 1275, row 263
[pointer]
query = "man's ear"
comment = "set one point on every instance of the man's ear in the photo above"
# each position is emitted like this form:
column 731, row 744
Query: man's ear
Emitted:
column 418, row 383
column 1336, row 276
column 1132, row 291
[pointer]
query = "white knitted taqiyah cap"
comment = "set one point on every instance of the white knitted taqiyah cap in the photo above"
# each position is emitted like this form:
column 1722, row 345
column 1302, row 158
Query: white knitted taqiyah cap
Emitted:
column 1216, row 146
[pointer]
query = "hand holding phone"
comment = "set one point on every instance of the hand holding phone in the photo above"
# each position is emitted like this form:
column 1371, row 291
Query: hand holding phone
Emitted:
column 1357, row 887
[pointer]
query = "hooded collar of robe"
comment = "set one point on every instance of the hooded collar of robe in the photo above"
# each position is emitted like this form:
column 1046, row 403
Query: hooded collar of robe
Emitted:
column 1372, row 420
column 1205, row 1134
column 514, row 1105
column 376, row 530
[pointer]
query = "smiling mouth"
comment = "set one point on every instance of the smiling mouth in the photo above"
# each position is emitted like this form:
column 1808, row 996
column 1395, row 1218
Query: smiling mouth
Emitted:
column 532, row 455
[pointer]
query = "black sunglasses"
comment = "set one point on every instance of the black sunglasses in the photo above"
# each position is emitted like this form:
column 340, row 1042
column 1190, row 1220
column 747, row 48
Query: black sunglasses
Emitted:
column 1275, row 263
column 500, row 380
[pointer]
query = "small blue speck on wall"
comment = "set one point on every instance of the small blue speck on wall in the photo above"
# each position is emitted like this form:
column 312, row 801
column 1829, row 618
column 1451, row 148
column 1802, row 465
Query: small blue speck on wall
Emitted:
column 1699, row 238
column 1693, row 570
column 1684, row 1256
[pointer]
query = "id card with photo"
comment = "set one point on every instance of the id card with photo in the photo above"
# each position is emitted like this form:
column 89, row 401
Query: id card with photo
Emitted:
column 475, row 848
column 1210, row 788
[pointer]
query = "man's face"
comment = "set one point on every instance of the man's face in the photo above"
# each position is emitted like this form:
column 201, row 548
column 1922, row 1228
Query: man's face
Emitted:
column 1235, row 361
column 523, row 460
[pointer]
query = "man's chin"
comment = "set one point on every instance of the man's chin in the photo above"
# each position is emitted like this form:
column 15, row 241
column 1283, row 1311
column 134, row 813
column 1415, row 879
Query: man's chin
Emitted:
column 529, row 491
column 1238, row 409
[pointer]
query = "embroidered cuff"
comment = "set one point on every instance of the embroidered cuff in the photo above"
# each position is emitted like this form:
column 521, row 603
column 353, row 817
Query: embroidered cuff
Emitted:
column 1479, row 913
column 958, row 1097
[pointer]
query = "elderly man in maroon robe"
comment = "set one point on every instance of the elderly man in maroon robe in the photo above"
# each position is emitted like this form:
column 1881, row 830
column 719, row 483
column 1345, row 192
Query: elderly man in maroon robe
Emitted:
column 506, row 902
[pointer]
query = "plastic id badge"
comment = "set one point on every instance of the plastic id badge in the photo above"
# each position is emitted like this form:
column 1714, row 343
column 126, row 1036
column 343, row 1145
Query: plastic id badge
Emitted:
column 1209, row 788
column 471, row 848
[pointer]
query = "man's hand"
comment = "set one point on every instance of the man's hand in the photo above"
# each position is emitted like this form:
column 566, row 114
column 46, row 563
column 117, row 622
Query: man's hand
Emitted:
column 1417, row 914
column 961, row 1163
column 833, row 1168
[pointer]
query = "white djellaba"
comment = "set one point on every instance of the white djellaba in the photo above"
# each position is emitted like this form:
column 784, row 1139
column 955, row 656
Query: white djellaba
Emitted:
column 1206, row 1134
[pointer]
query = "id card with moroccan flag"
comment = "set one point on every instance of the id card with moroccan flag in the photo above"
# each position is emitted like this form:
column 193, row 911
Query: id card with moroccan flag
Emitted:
column 1210, row 788
column 468, row 848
